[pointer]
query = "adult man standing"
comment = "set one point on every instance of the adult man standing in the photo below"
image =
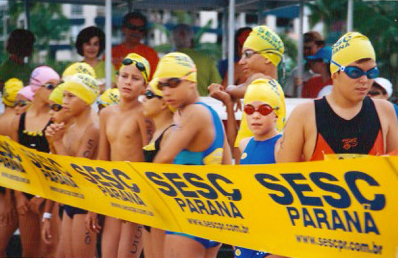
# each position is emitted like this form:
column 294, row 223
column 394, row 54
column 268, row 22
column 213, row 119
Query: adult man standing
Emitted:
column 134, row 28
column 346, row 121
column 313, row 41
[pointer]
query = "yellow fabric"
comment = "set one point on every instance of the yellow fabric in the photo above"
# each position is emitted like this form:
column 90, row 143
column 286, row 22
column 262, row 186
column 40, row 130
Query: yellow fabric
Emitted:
column 176, row 65
column 137, row 58
column 269, row 91
column 333, row 208
column 265, row 41
column 351, row 47
column 56, row 95
column 10, row 91
column 83, row 86
column 110, row 97
column 78, row 67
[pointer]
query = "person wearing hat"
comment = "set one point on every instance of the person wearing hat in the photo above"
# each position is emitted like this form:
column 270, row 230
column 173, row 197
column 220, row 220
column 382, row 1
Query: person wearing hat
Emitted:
column 262, row 106
column 313, row 41
column 108, row 98
column 261, row 54
column 77, row 139
column 123, row 134
column 198, row 139
column 319, row 64
column 28, row 130
column 19, row 45
column 382, row 89
column 156, row 108
column 8, row 212
column 345, row 121
column 90, row 43
column 134, row 27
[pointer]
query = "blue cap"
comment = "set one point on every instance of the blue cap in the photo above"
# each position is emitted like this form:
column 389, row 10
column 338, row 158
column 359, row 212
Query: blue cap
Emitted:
column 324, row 53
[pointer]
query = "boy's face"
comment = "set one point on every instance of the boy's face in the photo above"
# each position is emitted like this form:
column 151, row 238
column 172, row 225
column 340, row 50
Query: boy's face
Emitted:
column 354, row 90
column 131, row 82
column 72, row 105
column 260, row 124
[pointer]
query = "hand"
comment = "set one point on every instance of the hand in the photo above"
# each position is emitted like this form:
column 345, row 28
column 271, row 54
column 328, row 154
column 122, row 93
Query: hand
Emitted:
column 55, row 132
column 8, row 214
column 92, row 223
column 35, row 204
column 22, row 203
column 46, row 232
column 218, row 92
column 236, row 101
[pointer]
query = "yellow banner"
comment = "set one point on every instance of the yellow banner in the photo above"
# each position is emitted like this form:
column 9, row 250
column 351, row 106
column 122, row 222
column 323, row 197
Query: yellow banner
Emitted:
column 334, row 208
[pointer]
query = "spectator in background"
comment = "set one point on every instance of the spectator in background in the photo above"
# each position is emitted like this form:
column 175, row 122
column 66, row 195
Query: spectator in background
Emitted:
column 319, row 64
column 313, row 41
column 239, row 77
column 382, row 89
column 207, row 72
column 90, row 44
column 134, row 27
column 19, row 45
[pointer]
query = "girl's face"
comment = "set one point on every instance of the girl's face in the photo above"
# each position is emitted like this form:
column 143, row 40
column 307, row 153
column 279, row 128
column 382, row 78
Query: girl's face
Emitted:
column 259, row 122
column 131, row 82
column 252, row 62
column 22, row 104
column 45, row 90
column 153, row 104
column 91, row 48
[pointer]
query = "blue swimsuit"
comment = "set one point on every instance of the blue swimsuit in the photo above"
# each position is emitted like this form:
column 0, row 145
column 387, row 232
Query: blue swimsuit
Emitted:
column 213, row 155
column 257, row 152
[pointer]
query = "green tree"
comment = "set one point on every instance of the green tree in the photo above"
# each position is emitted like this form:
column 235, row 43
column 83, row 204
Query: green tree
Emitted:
column 378, row 20
column 47, row 23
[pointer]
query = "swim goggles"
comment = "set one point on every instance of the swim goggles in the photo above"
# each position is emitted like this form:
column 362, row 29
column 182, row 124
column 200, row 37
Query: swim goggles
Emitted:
column 264, row 109
column 150, row 95
column 140, row 66
column 355, row 72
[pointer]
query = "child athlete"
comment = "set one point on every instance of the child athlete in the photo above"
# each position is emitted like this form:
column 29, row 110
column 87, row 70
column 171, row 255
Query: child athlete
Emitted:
column 198, row 139
column 109, row 97
column 80, row 139
column 8, row 213
column 263, row 104
column 122, row 136
column 155, row 108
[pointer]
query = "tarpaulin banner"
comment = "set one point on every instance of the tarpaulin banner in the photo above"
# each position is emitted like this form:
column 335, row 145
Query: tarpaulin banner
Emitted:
column 332, row 208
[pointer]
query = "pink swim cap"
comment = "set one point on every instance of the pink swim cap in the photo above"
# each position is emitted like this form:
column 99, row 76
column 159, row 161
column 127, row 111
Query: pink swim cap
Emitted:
column 41, row 75
column 27, row 92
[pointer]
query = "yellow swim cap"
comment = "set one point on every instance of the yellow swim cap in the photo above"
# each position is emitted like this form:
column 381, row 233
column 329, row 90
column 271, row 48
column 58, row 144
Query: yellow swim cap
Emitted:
column 135, row 58
column 78, row 67
column 57, row 94
column 351, row 47
column 153, row 85
column 268, row 91
column 83, row 86
column 10, row 91
column 176, row 65
column 265, row 41
column 109, row 97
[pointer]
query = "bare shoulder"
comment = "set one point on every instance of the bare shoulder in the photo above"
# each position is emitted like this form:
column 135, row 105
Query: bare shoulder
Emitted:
column 384, row 106
column 303, row 111
column 196, row 114
column 243, row 143
column 107, row 111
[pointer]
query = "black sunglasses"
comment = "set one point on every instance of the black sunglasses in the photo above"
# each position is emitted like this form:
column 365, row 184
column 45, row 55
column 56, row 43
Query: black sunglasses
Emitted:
column 56, row 107
column 140, row 66
column 21, row 103
column 49, row 86
column 374, row 93
column 150, row 95
column 133, row 27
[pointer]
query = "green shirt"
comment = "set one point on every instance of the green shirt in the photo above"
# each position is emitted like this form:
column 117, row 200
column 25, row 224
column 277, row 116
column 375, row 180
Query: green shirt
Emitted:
column 100, row 72
column 9, row 69
column 207, row 70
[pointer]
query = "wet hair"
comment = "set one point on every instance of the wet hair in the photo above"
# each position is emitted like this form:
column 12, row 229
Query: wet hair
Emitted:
column 86, row 35
column 133, row 15
column 20, row 42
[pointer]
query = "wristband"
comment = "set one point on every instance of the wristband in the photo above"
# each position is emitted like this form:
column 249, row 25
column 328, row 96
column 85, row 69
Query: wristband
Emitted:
column 47, row 215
